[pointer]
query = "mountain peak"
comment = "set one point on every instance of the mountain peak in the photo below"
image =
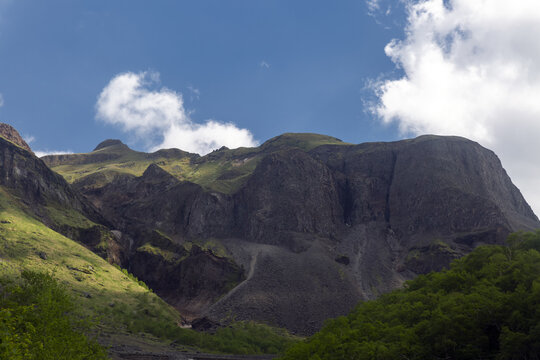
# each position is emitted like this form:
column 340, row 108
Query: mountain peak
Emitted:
column 154, row 170
column 304, row 141
column 8, row 132
column 107, row 143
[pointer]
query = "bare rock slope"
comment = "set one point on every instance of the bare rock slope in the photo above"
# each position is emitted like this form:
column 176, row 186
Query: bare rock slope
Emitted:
column 304, row 226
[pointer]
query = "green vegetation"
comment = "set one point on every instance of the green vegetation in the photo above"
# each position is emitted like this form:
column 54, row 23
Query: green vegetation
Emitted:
column 38, row 320
column 97, row 286
column 239, row 338
column 211, row 244
column 68, row 217
column 120, row 303
column 168, row 256
column 225, row 170
column 486, row 306
column 303, row 141
column 247, row 338
column 128, row 162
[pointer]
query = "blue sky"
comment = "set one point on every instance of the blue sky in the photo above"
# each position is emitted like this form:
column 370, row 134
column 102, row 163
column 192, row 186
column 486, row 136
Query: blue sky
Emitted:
column 268, row 66
column 204, row 73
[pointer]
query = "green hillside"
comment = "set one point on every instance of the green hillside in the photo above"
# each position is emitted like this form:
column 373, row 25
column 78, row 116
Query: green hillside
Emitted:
column 98, row 287
column 122, row 306
column 223, row 170
column 485, row 307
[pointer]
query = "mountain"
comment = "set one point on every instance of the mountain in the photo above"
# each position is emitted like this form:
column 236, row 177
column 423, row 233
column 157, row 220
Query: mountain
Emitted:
column 300, row 228
column 48, row 227
column 484, row 307
column 49, row 198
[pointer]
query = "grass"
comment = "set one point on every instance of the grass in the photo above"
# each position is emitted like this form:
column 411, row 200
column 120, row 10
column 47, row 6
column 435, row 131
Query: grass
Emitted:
column 212, row 244
column 224, row 171
column 168, row 256
column 120, row 303
column 303, row 141
column 98, row 287
column 64, row 216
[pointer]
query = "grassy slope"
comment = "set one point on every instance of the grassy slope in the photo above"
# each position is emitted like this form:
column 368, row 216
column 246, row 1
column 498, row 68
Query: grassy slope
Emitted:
column 224, row 170
column 127, row 311
column 98, row 287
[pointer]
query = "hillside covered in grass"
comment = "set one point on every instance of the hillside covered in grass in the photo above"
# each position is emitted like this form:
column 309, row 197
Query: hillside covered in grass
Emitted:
column 98, row 287
column 253, row 233
column 485, row 307
column 117, row 302
column 49, row 230
column 223, row 170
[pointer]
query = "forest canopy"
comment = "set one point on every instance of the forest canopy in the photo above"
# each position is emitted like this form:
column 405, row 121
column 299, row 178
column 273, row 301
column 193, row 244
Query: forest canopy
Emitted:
column 38, row 320
column 486, row 306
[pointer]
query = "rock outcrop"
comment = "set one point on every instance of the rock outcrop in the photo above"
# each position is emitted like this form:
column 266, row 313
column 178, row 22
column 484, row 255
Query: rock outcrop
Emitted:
column 8, row 132
column 311, row 225
column 48, row 197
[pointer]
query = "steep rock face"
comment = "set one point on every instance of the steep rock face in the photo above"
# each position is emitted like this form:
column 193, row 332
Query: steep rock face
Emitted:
column 313, row 228
column 191, row 280
column 47, row 196
column 289, row 192
column 437, row 186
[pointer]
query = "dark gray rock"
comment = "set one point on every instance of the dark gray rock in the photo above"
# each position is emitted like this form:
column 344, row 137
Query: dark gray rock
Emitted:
column 314, row 231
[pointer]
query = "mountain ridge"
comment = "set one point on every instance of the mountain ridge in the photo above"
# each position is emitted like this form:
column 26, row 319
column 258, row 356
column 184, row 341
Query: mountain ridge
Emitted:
column 301, row 214
column 47, row 227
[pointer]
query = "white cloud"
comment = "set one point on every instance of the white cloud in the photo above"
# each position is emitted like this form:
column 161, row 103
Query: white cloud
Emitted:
column 52, row 152
column 263, row 64
column 1, row 100
column 381, row 9
column 471, row 68
column 158, row 117
column 372, row 5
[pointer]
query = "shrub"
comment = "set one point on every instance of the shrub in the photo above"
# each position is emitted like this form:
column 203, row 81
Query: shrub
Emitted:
column 38, row 321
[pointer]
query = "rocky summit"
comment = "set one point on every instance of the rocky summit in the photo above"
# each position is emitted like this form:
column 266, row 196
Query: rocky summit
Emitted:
column 299, row 229
column 9, row 133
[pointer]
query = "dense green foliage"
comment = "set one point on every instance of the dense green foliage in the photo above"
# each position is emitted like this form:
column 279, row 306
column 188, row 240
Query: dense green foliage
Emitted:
column 37, row 321
column 486, row 306
column 239, row 338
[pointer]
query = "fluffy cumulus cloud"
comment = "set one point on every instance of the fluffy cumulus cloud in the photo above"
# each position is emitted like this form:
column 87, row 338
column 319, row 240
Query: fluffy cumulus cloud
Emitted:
column 471, row 68
column 157, row 116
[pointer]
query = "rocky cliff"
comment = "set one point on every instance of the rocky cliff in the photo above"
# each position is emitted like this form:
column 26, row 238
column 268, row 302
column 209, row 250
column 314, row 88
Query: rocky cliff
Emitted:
column 48, row 197
column 301, row 228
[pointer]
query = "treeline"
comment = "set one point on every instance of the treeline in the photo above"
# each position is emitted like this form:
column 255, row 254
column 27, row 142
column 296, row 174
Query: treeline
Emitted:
column 486, row 306
column 38, row 321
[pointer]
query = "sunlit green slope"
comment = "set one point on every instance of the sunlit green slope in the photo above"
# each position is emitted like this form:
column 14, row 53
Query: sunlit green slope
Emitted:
column 223, row 170
column 123, row 307
column 99, row 288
